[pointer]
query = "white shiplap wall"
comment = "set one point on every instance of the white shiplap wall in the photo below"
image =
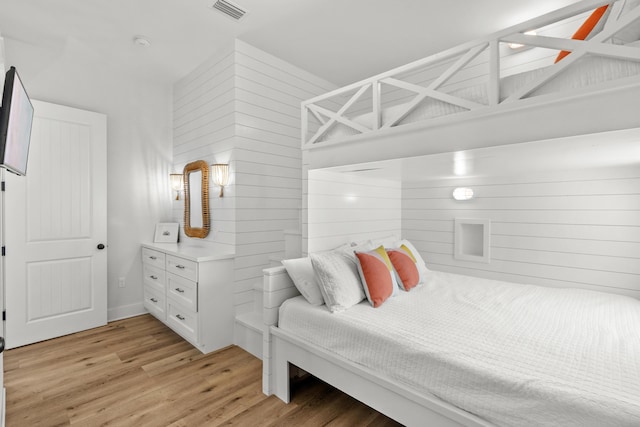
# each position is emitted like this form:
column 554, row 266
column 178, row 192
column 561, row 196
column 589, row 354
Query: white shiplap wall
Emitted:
column 346, row 208
column 243, row 107
column 204, row 129
column 268, row 160
column 575, row 228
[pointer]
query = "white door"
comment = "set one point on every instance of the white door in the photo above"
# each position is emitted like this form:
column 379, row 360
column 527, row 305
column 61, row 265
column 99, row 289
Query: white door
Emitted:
column 2, row 334
column 55, row 223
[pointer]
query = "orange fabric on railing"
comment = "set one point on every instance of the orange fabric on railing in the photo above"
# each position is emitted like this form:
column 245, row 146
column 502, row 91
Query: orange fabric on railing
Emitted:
column 585, row 29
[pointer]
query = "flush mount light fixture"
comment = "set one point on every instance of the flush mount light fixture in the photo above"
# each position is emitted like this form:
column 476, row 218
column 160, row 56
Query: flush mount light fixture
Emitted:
column 220, row 175
column 463, row 193
column 141, row 41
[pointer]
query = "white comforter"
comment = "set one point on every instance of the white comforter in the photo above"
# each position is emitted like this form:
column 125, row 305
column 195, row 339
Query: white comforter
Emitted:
column 514, row 355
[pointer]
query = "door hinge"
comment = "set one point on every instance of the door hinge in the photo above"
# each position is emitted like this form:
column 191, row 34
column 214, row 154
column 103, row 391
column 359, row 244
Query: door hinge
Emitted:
column 4, row 251
column 4, row 315
column 2, row 186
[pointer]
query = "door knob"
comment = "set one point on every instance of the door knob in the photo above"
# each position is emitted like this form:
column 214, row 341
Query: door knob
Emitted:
column 101, row 246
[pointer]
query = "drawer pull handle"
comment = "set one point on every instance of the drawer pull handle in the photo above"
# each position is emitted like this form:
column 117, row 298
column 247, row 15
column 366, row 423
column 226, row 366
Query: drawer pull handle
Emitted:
column 153, row 300
column 180, row 316
column 180, row 290
column 153, row 258
column 181, row 267
column 154, row 277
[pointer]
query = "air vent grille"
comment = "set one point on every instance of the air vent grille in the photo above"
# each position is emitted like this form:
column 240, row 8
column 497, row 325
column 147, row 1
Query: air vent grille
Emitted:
column 229, row 9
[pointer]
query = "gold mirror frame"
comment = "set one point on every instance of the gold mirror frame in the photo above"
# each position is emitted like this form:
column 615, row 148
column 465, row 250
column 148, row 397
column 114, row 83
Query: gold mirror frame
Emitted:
column 197, row 166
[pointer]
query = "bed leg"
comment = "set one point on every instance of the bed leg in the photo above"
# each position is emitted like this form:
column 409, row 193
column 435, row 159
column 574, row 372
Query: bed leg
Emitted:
column 283, row 381
column 275, row 370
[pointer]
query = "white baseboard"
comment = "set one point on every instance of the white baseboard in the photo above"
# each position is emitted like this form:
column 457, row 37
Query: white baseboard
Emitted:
column 125, row 311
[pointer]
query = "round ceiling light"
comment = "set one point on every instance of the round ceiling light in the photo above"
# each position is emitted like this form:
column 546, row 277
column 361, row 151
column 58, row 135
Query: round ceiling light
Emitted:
column 141, row 41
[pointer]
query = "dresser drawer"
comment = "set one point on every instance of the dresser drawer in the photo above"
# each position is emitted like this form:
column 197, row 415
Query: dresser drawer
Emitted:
column 183, row 321
column 182, row 291
column 154, row 301
column 154, row 277
column 182, row 267
column 154, row 258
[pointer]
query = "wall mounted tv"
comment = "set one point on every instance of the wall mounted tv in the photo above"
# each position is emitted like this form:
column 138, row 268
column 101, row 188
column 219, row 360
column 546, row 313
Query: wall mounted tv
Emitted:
column 16, row 119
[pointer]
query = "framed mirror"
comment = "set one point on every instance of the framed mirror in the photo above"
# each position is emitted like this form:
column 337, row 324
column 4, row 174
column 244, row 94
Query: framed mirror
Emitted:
column 196, row 199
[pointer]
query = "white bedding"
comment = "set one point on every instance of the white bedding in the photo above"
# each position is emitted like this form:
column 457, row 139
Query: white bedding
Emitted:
column 514, row 355
column 586, row 71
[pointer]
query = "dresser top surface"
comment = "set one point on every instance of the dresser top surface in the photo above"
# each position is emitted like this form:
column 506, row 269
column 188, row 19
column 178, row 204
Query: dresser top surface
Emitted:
column 191, row 252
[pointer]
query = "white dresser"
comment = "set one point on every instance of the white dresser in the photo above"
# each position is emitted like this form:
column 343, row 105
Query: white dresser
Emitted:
column 190, row 289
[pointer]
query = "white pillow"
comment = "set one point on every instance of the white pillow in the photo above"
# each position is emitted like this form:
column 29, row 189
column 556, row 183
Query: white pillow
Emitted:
column 301, row 272
column 348, row 249
column 387, row 241
column 338, row 278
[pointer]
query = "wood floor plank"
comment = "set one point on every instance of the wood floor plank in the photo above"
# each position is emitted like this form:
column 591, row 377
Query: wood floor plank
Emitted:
column 137, row 372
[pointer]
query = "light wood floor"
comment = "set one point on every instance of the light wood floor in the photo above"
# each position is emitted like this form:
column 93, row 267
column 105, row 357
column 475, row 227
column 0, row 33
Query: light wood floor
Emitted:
column 137, row 372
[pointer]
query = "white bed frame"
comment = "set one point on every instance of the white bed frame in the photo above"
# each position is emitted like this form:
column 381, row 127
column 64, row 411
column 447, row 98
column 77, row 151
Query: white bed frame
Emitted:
column 280, row 350
column 323, row 112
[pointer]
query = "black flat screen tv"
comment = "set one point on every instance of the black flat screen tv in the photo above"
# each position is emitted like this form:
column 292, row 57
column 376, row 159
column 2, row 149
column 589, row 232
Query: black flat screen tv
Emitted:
column 16, row 119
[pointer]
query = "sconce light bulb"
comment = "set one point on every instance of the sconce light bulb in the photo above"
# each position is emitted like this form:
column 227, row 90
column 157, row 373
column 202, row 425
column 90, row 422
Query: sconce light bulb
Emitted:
column 176, row 183
column 221, row 176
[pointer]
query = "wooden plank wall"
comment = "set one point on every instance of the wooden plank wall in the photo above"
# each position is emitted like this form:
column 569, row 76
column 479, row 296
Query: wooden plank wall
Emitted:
column 578, row 228
column 268, row 160
column 204, row 129
column 242, row 106
column 350, row 208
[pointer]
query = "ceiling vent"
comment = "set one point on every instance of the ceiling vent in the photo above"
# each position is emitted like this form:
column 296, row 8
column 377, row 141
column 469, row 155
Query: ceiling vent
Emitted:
column 233, row 11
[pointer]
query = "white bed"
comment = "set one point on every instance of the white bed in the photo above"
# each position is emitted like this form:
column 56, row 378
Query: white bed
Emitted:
column 483, row 352
column 511, row 354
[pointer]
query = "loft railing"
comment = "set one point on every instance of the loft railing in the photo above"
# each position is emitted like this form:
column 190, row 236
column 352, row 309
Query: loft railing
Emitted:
column 343, row 99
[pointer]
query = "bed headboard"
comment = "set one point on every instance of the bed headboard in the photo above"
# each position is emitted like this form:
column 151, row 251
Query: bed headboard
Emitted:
column 277, row 288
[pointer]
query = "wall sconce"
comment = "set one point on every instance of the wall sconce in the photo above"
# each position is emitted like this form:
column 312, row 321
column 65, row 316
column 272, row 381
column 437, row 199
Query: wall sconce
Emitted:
column 176, row 183
column 463, row 193
column 220, row 176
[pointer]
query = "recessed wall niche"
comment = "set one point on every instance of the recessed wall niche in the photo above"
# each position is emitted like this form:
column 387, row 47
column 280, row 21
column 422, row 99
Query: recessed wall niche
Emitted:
column 472, row 238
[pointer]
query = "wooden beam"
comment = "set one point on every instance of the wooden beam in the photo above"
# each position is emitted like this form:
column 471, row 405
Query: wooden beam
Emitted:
column 457, row 66
column 377, row 105
column 493, row 85
column 337, row 117
column 422, row 94
column 576, row 54
column 602, row 49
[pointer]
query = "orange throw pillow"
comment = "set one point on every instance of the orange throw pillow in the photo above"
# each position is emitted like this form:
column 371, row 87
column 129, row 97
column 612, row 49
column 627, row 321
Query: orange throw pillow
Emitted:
column 585, row 29
column 405, row 268
column 376, row 273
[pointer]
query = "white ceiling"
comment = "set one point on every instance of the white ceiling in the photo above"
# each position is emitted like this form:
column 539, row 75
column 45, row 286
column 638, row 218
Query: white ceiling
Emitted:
column 339, row 40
